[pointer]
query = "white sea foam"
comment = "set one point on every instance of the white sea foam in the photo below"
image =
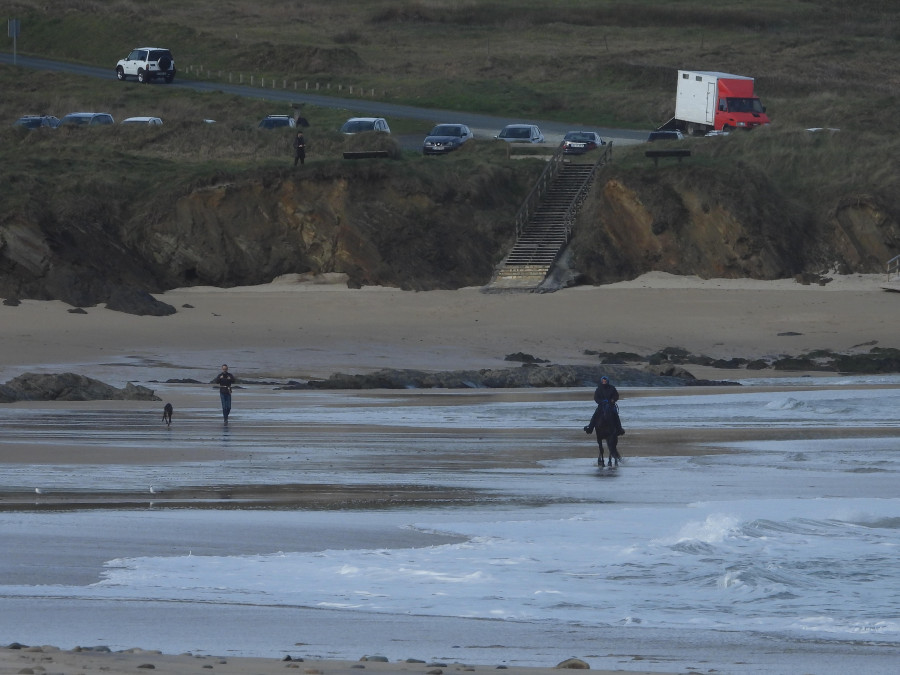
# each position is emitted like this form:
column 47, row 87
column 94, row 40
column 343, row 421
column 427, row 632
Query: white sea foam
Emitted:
column 790, row 538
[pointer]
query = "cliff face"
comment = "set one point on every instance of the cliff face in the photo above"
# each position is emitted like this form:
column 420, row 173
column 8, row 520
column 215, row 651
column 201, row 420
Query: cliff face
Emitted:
column 379, row 223
column 710, row 223
column 415, row 226
column 378, row 228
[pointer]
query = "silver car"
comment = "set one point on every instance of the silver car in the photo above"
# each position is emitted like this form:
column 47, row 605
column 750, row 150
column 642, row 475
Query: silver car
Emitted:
column 521, row 133
column 86, row 119
column 358, row 125
column 152, row 121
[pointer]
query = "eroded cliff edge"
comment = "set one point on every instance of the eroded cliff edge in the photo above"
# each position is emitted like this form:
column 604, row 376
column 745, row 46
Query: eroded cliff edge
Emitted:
column 427, row 225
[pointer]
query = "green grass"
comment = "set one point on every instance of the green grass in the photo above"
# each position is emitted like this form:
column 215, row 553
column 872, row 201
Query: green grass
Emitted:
column 588, row 61
column 818, row 63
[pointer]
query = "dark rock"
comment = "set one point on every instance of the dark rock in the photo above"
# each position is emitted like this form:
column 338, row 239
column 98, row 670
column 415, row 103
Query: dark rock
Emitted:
column 798, row 363
column 878, row 360
column 524, row 358
column 69, row 387
column 758, row 364
column 77, row 310
column 729, row 364
column 575, row 664
column 546, row 376
column 185, row 380
column 670, row 370
column 789, row 333
column 135, row 301
column 12, row 302
column 187, row 306
column 147, row 666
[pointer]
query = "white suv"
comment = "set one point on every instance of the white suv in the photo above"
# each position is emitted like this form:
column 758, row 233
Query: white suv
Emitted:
column 147, row 63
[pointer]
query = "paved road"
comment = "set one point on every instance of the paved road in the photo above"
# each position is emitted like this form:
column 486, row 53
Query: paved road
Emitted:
column 483, row 126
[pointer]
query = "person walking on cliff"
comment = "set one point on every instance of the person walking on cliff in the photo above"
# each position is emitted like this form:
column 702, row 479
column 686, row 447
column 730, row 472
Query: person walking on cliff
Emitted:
column 299, row 148
column 225, row 381
column 605, row 421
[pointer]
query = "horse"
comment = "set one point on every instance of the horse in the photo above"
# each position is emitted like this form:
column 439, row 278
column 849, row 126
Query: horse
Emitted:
column 605, row 421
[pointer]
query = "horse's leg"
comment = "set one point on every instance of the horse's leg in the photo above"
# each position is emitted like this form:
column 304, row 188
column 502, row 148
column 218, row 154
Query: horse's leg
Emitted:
column 613, row 442
column 600, row 443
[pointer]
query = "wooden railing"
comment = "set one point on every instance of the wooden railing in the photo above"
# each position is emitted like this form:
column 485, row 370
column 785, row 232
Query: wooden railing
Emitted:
column 533, row 200
column 569, row 218
column 893, row 267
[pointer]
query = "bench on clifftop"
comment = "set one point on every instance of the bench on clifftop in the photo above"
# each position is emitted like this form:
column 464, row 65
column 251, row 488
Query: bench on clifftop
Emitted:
column 655, row 155
column 365, row 154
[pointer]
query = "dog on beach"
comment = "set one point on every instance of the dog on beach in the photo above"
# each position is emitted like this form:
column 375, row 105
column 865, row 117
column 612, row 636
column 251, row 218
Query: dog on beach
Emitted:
column 167, row 413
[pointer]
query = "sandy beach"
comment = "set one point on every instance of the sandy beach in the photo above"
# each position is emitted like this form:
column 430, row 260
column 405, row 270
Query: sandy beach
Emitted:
column 50, row 659
column 311, row 328
column 298, row 328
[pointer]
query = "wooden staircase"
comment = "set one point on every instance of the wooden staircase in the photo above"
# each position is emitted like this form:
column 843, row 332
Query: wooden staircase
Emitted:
column 544, row 223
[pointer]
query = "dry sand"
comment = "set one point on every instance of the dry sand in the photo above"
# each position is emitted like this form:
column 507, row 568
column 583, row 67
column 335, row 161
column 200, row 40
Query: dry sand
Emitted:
column 301, row 328
column 296, row 328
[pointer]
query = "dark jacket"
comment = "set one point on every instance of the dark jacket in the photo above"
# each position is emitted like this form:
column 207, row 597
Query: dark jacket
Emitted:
column 606, row 392
column 224, row 380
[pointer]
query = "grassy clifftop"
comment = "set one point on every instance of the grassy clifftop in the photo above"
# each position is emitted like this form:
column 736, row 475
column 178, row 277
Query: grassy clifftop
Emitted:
column 816, row 63
column 609, row 62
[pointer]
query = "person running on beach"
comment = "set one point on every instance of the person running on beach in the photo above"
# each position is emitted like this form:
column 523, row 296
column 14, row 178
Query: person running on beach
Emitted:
column 225, row 380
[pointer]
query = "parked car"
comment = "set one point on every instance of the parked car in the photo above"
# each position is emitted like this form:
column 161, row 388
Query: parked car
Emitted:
column 521, row 133
column 86, row 119
column 152, row 121
column 580, row 142
column 357, row 125
column 277, row 122
column 445, row 138
column 37, row 121
column 146, row 64
column 675, row 135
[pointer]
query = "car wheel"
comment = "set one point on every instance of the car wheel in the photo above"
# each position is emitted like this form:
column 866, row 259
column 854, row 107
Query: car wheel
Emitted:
column 142, row 76
column 120, row 73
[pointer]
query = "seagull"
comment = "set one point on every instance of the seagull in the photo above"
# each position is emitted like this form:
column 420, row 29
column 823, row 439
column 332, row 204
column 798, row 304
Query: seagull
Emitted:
column 38, row 491
column 153, row 490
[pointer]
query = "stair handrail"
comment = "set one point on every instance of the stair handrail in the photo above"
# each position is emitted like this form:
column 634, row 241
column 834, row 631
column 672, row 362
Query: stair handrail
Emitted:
column 893, row 267
column 569, row 217
column 540, row 188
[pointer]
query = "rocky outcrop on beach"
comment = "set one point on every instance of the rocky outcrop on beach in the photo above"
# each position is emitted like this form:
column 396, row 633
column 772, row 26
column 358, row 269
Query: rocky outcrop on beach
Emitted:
column 506, row 378
column 671, row 361
column 69, row 387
